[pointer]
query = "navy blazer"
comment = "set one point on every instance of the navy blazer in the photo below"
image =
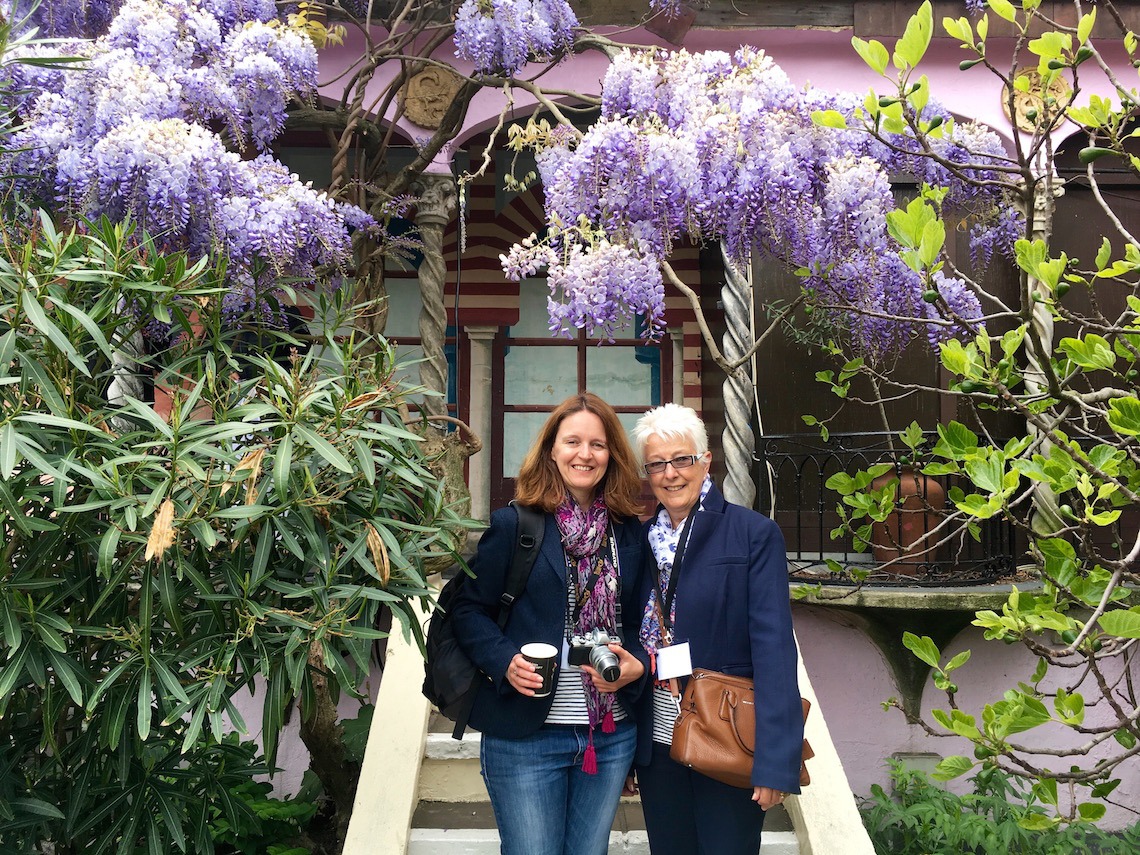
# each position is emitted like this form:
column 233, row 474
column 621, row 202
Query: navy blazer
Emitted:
column 538, row 615
column 732, row 606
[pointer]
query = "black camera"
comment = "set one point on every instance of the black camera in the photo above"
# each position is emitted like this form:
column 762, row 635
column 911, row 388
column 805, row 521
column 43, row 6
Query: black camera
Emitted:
column 592, row 649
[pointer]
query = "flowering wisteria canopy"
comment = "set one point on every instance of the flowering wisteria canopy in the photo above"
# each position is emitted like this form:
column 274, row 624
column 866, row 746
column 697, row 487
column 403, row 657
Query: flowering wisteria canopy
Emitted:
column 133, row 132
column 713, row 146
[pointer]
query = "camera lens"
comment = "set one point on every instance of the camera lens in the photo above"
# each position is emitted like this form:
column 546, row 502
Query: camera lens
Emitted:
column 605, row 662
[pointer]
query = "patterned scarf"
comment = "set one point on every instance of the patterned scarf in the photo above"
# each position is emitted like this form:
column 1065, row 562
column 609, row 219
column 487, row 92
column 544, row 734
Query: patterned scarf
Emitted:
column 585, row 538
column 663, row 541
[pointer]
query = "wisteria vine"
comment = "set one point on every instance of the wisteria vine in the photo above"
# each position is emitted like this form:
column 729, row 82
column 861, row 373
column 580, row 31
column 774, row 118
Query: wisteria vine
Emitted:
column 713, row 146
column 133, row 132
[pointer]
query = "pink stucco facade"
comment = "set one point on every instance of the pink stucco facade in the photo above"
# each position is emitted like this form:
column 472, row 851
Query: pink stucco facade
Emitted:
column 849, row 673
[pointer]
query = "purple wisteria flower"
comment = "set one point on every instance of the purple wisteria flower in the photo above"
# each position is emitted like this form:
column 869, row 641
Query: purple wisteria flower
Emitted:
column 499, row 36
column 82, row 19
column 133, row 133
column 723, row 147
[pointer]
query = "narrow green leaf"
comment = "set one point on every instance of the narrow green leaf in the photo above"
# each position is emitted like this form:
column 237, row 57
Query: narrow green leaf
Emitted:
column 40, row 320
column 324, row 448
column 144, row 706
column 64, row 668
column 282, row 463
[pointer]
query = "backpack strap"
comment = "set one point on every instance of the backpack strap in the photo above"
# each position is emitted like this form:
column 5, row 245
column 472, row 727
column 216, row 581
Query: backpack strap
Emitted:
column 528, row 534
column 528, row 538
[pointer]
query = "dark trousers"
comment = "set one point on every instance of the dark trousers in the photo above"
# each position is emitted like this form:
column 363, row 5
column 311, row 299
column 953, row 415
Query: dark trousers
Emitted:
column 687, row 813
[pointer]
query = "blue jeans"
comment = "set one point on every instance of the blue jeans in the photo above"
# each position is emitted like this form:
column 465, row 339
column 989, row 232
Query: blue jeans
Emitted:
column 544, row 803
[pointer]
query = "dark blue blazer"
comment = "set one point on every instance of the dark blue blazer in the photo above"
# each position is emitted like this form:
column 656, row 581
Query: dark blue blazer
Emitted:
column 538, row 615
column 733, row 609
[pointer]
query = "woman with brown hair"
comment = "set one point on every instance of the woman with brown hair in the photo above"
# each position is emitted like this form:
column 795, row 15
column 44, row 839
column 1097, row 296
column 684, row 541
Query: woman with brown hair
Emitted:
column 554, row 761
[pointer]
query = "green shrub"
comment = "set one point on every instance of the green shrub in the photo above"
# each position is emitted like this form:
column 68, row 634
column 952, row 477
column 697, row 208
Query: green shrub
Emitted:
column 152, row 568
column 923, row 819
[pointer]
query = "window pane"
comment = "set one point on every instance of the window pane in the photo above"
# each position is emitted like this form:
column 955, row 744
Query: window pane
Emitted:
column 540, row 375
column 614, row 374
column 628, row 420
column 403, row 308
column 519, row 433
column 534, row 319
column 408, row 367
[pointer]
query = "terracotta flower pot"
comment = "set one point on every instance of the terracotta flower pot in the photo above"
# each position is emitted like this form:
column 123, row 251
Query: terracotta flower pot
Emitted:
column 905, row 533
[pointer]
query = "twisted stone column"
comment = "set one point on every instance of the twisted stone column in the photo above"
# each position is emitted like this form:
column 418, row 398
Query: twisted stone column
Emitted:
column 739, row 442
column 1046, row 518
column 436, row 207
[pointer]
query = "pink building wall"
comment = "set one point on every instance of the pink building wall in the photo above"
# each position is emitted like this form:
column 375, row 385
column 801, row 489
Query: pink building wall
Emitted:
column 850, row 675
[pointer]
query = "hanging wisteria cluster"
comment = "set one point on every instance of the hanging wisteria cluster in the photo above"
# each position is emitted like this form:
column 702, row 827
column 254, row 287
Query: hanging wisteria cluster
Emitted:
column 134, row 132
column 713, row 146
column 500, row 36
column 63, row 18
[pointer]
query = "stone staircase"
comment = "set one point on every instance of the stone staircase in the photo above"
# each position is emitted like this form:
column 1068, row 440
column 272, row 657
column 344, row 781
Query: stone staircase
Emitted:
column 453, row 815
column 420, row 791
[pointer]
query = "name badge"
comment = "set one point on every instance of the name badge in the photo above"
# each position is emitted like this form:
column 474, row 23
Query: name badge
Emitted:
column 674, row 661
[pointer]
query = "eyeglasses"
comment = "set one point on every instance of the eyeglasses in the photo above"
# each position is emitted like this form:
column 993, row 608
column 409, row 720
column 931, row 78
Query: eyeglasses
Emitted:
column 682, row 462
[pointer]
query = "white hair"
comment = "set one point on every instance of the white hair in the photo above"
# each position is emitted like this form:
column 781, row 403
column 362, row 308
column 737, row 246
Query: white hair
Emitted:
column 671, row 421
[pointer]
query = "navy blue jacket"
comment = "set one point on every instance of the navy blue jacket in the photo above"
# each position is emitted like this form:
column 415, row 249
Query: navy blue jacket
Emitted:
column 538, row 615
column 733, row 609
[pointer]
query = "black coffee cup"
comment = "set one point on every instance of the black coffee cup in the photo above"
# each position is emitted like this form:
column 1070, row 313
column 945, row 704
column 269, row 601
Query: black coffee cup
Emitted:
column 545, row 658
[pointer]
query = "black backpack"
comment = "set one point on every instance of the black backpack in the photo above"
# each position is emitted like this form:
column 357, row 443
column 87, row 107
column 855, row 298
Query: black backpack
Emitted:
column 451, row 680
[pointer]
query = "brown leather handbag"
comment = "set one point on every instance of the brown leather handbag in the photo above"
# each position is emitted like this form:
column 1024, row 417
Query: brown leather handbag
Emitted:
column 715, row 733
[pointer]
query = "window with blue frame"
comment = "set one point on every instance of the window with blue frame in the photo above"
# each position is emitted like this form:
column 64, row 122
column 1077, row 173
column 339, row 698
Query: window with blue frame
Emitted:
column 539, row 371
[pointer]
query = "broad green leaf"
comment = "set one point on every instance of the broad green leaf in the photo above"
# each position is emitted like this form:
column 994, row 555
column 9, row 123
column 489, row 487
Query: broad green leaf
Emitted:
column 1046, row 791
column 1085, row 25
column 952, row 767
column 873, row 53
column 924, row 648
column 1123, row 624
column 1124, row 416
column 910, row 49
column 829, row 119
column 1003, row 9
column 1093, row 352
column 958, row 661
column 1091, row 811
column 956, row 441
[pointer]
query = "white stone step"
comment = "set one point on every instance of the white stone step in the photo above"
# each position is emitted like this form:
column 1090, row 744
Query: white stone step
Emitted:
column 482, row 841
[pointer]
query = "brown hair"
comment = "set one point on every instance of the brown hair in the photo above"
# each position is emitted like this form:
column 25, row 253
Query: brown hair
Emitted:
column 540, row 484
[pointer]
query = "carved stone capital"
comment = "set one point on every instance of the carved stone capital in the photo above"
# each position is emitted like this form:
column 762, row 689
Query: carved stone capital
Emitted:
column 437, row 199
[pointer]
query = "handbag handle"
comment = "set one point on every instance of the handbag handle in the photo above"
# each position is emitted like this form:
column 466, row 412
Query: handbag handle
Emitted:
column 730, row 700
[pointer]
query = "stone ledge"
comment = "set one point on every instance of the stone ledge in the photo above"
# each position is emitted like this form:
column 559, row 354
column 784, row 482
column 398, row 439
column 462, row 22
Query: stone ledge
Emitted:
column 967, row 598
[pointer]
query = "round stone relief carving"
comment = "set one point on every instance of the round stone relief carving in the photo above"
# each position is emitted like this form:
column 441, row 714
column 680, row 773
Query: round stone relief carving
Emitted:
column 1033, row 101
column 427, row 96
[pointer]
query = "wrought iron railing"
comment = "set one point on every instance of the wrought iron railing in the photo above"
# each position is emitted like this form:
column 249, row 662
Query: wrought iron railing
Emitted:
column 918, row 546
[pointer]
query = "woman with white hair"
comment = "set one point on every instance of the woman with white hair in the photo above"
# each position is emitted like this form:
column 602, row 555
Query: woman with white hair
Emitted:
column 714, row 595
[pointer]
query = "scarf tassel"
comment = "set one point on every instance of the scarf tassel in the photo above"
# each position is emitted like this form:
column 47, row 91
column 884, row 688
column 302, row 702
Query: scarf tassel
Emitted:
column 590, row 761
column 608, row 725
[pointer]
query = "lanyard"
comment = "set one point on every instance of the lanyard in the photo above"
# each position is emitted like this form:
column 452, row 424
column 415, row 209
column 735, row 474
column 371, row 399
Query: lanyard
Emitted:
column 665, row 597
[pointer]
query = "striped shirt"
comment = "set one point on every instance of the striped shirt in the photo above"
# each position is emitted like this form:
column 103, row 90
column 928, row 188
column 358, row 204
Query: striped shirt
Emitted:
column 569, row 705
column 664, row 715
